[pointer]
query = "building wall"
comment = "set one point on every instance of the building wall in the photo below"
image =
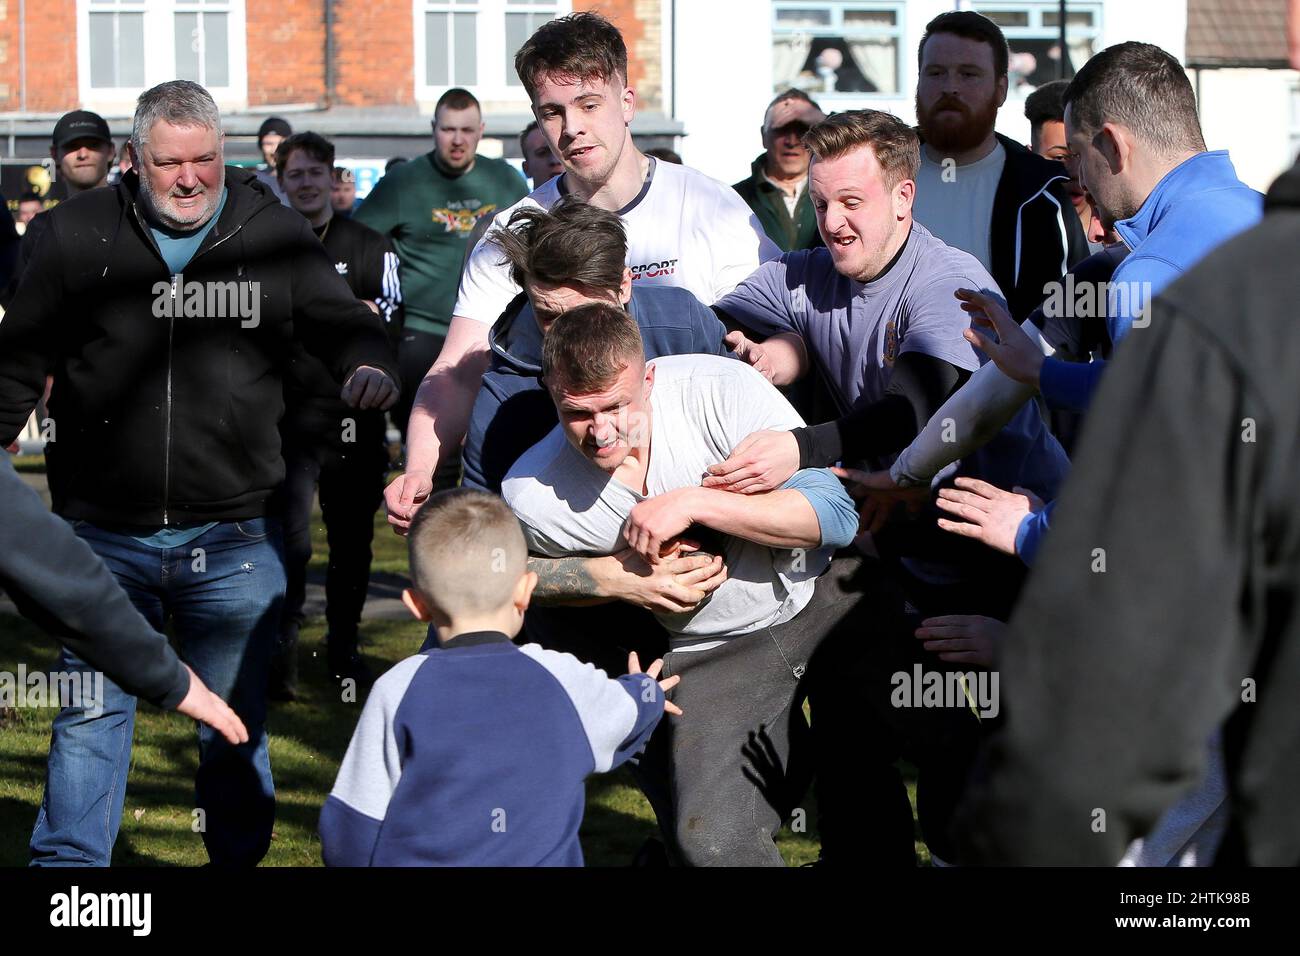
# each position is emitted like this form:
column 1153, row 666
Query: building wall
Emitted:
column 724, row 71
column 374, row 55
column 286, row 52
column 640, row 22
column 1247, row 112
column 51, row 48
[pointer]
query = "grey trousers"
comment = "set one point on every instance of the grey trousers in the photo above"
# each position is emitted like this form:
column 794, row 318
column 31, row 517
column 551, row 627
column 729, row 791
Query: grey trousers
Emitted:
column 739, row 758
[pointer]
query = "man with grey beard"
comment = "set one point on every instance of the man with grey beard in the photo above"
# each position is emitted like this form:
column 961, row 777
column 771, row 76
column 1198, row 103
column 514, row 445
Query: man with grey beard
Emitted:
column 165, row 308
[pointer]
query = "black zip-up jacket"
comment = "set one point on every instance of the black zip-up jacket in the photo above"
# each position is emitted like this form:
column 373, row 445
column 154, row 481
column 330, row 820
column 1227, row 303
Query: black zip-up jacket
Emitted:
column 366, row 261
column 60, row 584
column 1035, row 234
column 163, row 418
column 1185, row 481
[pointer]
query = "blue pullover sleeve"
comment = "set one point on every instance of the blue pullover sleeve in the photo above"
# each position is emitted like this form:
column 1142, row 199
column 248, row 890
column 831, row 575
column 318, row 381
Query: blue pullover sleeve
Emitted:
column 836, row 515
column 1033, row 528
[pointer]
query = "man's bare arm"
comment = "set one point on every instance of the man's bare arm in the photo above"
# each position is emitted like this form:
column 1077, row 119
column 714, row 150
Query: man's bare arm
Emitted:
column 439, row 417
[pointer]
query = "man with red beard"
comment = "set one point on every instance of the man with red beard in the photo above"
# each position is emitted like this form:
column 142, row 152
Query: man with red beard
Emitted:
column 980, row 191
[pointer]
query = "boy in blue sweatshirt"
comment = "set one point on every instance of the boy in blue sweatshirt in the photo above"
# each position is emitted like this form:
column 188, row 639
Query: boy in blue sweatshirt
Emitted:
column 474, row 752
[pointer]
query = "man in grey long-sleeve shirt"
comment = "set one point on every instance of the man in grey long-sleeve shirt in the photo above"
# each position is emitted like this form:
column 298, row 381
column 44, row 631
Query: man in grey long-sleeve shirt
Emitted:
column 56, row 581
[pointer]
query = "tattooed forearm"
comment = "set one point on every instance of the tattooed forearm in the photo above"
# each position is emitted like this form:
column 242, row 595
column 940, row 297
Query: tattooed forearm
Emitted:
column 563, row 580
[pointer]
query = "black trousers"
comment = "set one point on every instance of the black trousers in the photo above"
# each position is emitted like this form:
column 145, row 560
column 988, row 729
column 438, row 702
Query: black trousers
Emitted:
column 859, row 734
column 350, row 475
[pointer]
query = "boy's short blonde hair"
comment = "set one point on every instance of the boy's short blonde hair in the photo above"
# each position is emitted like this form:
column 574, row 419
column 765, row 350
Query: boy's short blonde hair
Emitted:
column 467, row 552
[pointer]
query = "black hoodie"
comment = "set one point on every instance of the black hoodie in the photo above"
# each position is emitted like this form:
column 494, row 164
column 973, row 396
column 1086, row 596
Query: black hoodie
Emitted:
column 1184, row 489
column 163, row 418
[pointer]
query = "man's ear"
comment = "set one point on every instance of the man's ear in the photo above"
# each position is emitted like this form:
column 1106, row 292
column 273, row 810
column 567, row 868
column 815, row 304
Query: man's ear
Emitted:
column 649, row 379
column 1001, row 88
column 625, row 287
column 629, row 104
column 135, row 157
column 1114, row 143
column 415, row 604
column 904, row 196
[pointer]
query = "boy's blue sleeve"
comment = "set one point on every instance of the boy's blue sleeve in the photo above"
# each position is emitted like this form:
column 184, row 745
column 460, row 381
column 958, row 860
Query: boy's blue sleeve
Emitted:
column 836, row 516
column 617, row 715
column 1033, row 528
column 649, row 699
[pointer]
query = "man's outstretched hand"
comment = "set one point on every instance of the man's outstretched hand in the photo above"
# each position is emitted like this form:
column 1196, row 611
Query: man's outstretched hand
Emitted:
column 1014, row 352
column 403, row 497
column 988, row 514
column 207, row 708
column 879, row 497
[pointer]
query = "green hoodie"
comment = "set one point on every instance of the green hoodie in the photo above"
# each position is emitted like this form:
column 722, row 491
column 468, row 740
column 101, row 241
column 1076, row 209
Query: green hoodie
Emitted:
column 429, row 215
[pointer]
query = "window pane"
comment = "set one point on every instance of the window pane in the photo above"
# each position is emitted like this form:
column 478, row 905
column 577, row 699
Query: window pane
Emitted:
column 130, row 49
column 1007, row 18
column 870, row 18
column 216, row 50
column 803, row 18
column 466, row 49
column 1073, row 18
column 834, row 64
column 435, row 49
column 102, row 72
column 519, row 27
column 188, row 44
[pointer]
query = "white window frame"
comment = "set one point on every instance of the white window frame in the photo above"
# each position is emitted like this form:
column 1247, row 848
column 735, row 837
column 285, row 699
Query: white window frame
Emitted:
column 160, row 52
column 1036, row 30
column 490, row 86
column 836, row 27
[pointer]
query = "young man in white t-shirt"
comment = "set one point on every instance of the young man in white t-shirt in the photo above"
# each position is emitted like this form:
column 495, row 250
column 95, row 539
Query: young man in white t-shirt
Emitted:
column 684, row 229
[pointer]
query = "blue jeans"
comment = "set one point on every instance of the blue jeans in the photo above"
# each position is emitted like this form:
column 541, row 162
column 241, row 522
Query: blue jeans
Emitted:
column 224, row 601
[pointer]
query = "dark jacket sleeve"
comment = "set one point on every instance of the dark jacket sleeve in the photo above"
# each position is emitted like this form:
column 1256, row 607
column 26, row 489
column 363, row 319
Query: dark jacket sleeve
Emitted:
column 332, row 324
column 1128, row 648
column 24, row 256
column 918, row 387
column 28, row 344
column 56, row 581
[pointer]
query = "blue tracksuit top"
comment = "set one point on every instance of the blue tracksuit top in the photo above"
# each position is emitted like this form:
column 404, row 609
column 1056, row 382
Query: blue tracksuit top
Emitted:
column 474, row 753
column 1198, row 205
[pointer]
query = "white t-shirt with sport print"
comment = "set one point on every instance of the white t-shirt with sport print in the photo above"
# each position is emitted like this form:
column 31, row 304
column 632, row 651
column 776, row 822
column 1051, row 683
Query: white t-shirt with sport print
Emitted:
column 683, row 229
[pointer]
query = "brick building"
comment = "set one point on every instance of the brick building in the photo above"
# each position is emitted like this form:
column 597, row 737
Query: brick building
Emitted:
column 365, row 72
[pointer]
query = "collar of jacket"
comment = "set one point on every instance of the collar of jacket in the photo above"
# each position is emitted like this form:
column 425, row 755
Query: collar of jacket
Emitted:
column 246, row 196
column 516, row 340
column 1196, row 174
column 758, row 173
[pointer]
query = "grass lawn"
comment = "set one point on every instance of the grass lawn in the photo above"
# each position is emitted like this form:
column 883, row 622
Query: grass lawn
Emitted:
column 307, row 742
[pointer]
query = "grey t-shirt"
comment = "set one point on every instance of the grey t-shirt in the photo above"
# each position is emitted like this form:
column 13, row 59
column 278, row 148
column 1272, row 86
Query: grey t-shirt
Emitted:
column 702, row 406
column 855, row 331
